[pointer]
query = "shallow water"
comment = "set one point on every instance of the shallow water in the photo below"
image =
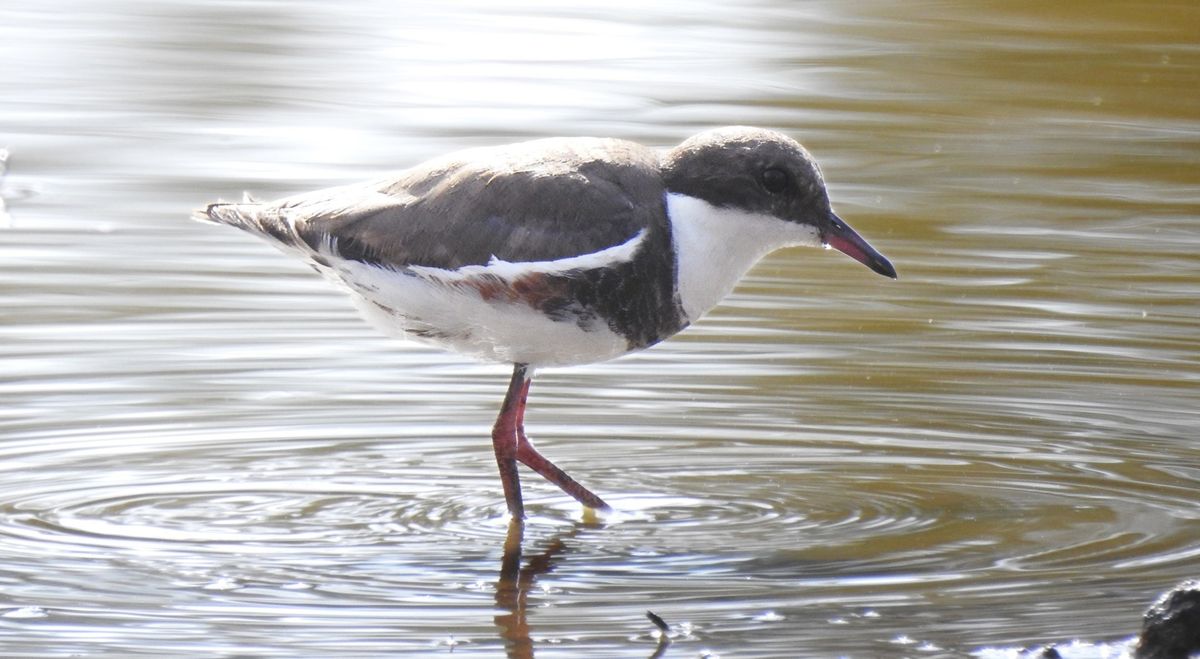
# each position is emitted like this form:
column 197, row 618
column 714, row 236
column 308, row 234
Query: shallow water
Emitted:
column 203, row 452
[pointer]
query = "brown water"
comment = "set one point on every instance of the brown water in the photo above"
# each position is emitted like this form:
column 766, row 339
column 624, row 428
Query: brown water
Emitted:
column 203, row 452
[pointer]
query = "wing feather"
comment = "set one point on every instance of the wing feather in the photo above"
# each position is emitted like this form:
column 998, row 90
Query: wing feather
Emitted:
column 536, row 201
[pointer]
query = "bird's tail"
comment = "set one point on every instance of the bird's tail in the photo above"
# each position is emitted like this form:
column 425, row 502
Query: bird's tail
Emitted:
column 249, row 215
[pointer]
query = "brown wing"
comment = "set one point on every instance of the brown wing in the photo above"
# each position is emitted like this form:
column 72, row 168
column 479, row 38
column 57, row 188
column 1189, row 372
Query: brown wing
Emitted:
column 536, row 201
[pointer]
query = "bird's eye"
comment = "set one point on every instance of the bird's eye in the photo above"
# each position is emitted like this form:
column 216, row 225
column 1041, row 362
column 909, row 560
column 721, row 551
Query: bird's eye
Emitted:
column 775, row 180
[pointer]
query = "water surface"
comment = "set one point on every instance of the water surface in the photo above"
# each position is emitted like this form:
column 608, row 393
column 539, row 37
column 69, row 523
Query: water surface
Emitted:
column 203, row 452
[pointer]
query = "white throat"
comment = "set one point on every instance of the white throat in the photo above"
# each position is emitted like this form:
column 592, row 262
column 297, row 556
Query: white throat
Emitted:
column 715, row 246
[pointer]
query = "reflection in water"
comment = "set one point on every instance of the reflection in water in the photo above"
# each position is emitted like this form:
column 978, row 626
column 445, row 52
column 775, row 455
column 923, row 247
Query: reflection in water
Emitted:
column 512, row 589
column 515, row 583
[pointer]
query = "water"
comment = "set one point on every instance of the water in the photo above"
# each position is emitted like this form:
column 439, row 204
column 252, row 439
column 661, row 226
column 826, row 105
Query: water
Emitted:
column 205, row 453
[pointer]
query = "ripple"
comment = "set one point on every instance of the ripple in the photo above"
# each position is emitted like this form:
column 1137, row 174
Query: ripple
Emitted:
column 1022, row 512
column 847, row 501
column 282, row 512
column 182, row 493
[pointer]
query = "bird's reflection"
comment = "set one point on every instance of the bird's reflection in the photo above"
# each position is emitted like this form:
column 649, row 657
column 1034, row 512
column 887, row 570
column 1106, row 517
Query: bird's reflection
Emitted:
column 512, row 589
column 515, row 582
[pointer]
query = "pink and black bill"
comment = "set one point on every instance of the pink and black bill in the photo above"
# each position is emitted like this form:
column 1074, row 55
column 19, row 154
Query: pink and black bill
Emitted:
column 838, row 235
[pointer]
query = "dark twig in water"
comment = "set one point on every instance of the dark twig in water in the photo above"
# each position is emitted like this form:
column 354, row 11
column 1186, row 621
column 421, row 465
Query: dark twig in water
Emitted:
column 664, row 639
column 658, row 622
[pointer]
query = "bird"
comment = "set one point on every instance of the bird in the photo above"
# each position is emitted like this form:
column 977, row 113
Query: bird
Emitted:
column 556, row 252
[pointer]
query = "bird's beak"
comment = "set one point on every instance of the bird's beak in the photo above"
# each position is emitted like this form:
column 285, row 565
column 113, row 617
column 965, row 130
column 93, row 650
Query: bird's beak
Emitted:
column 838, row 235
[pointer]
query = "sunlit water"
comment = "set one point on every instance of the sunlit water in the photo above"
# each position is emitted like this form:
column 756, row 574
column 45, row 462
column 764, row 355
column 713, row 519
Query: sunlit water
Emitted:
column 203, row 452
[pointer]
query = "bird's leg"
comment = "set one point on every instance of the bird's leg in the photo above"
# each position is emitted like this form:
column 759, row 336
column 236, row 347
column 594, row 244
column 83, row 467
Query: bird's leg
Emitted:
column 505, row 442
column 529, row 456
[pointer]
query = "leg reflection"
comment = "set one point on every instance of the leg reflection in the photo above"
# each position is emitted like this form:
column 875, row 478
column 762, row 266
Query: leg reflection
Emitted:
column 515, row 582
column 512, row 589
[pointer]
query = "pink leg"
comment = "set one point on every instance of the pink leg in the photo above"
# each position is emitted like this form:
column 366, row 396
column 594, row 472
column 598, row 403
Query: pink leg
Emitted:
column 529, row 456
column 504, row 440
column 512, row 446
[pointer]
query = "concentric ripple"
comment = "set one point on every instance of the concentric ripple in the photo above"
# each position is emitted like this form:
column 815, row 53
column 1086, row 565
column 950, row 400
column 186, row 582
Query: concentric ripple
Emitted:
column 246, row 517
column 183, row 494
column 847, row 508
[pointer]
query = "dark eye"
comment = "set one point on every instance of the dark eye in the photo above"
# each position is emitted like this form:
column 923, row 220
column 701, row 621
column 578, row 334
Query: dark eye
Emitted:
column 775, row 180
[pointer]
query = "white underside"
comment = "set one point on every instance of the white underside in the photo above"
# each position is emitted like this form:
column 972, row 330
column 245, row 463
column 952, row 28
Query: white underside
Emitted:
column 715, row 247
column 440, row 306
